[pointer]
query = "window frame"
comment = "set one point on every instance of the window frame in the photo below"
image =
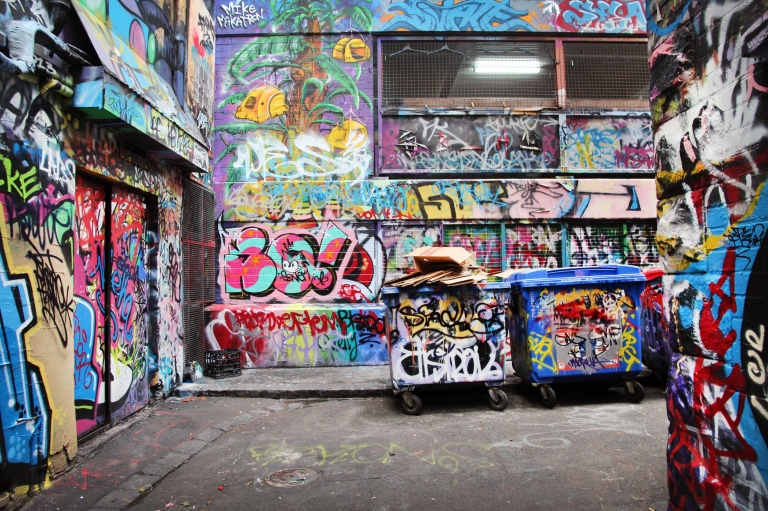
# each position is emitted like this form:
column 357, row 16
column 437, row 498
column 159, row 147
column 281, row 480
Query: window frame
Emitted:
column 561, row 94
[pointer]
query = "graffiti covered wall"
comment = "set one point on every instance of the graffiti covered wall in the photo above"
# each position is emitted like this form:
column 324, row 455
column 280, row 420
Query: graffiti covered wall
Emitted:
column 620, row 143
column 57, row 235
column 516, row 144
column 708, row 93
column 295, row 107
column 480, row 143
column 285, row 335
column 139, row 46
column 328, row 261
column 436, row 199
column 317, row 208
column 262, row 16
column 37, row 191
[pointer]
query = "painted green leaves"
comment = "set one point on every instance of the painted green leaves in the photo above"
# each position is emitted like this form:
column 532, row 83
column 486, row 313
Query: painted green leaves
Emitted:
column 242, row 64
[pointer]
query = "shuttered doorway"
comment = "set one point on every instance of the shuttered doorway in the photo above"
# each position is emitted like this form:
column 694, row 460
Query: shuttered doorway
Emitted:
column 198, row 252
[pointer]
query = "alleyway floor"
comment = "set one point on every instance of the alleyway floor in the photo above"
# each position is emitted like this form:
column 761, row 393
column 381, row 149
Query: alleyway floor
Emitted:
column 594, row 451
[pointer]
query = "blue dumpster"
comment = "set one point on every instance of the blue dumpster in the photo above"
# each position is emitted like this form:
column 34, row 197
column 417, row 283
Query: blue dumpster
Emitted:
column 577, row 324
column 447, row 335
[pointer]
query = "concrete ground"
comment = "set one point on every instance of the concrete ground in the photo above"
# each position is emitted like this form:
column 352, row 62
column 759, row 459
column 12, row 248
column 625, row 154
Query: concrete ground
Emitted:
column 595, row 450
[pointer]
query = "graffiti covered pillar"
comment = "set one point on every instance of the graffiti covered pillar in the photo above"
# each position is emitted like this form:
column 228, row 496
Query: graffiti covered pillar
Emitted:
column 709, row 92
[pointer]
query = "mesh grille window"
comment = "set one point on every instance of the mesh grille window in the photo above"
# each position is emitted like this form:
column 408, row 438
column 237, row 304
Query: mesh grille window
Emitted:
column 533, row 246
column 606, row 74
column 641, row 245
column 198, row 255
column 401, row 239
column 483, row 240
column 460, row 74
column 594, row 245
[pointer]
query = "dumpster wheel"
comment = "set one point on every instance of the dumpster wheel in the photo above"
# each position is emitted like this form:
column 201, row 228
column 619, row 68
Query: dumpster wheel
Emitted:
column 411, row 404
column 548, row 397
column 634, row 391
column 497, row 399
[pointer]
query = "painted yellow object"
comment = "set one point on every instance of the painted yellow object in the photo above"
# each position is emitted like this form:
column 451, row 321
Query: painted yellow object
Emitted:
column 262, row 103
column 349, row 134
column 351, row 49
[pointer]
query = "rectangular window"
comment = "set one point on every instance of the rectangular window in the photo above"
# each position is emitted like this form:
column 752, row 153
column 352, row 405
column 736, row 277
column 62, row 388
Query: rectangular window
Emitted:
column 467, row 74
column 606, row 74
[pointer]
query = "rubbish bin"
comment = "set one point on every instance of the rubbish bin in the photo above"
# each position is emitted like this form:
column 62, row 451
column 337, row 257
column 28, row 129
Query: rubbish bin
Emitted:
column 447, row 335
column 577, row 324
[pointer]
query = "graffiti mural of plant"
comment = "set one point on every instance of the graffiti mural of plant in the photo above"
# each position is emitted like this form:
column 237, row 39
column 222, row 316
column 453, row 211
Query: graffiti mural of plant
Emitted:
column 296, row 99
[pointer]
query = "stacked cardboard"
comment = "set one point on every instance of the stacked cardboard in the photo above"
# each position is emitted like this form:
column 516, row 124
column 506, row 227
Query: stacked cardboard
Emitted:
column 451, row 266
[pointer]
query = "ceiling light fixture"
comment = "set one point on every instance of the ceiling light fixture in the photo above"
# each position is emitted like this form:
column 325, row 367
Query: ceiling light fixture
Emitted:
column 495, row 65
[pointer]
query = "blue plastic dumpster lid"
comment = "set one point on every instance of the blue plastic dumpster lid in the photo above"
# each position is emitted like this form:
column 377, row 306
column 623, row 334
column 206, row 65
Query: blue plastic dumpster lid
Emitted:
column 584, row 274
column 428, row 288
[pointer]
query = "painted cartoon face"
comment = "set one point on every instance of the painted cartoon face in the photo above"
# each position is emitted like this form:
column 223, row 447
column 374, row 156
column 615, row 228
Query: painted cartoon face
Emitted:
column 291, row 266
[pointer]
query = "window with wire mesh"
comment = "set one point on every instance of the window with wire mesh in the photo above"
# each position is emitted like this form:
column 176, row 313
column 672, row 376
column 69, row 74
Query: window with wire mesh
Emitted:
column 483, row 240
column 595, row 244
column 533, row 246
column 641, row 246
column 606, row 74
column 399, row 239
column 459, row 74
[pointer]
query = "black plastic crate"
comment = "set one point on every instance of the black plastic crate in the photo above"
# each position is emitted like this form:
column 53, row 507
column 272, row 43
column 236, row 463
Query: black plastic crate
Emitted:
column 222, row 363
column 222, row 372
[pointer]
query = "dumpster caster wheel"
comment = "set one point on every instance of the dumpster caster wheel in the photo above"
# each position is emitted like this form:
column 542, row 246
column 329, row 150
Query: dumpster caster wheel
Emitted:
column 548, row 397
column 634, row 391
column 412, row 408
column 497, row 399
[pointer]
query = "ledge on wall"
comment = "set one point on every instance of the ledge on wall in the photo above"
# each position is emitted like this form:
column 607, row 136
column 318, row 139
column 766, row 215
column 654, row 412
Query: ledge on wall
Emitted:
column 107, row 102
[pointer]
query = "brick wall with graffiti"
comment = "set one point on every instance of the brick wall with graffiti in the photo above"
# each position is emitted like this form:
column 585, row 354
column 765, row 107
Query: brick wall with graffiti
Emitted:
column 290, row 336
column 567, row 16
column 708, row 100
column 321, row 191
column 90, row 244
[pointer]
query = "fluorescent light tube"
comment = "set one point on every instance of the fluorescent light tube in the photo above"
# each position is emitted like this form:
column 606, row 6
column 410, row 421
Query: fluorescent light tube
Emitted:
column 524, row 66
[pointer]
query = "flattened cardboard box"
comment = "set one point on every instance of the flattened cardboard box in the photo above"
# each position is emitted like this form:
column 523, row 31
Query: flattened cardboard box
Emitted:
column 427, row 259
column 451, row 266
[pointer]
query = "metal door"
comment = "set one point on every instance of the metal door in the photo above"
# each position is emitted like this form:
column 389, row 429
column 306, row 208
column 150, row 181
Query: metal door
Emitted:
column 110, row 318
